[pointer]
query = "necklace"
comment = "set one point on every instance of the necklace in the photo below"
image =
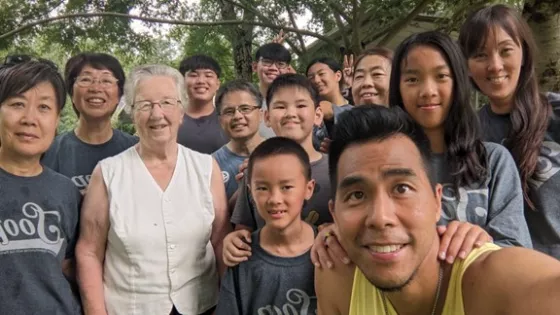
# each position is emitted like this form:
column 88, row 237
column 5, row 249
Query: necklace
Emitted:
column 440, row 276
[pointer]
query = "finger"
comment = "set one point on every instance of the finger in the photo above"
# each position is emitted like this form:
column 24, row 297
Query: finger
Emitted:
column 456, row 242
column 239, row 176
column 351, row 60
column 232, row 261
column 314, row 256
column 240, row 245
column 335, row 249
column 345, row 63
column 482, row 239
column 445, row 239
column 324, row 258
column 469, row 242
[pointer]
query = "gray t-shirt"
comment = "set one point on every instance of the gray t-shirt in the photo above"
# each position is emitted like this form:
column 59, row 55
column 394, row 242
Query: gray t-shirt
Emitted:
column 268, row 284
column 495, row 205
column 544, row 222
column 203, row 134
column 38, row 230
column 315, row 212
column 264, row 131
column 75, row 159
column 229, row 164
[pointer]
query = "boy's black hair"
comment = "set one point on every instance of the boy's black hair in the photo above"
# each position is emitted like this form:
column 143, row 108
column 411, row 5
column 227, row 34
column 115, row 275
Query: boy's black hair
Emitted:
column 274, row 52
column 292, row 80
column 279, row 146
column 197, row 62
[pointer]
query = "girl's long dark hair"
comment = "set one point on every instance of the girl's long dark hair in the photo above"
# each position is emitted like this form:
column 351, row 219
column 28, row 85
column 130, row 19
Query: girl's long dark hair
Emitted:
column 531, row 110
column 465, row 154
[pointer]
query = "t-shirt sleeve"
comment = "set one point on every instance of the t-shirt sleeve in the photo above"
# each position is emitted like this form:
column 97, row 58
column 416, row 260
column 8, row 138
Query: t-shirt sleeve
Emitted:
column 49, row 158
column 243, row 210
column 73, row 230
column 227, row 299
column 506, row 222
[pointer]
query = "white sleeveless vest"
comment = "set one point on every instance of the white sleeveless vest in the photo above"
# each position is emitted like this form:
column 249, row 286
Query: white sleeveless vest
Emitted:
column 158, row 248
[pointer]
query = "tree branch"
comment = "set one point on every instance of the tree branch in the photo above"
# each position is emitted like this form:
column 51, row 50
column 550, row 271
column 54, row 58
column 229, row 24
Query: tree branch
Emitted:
column 397, row 27
column 165, row 21
column 294, row 24
column 342, row 31
column 339, row 10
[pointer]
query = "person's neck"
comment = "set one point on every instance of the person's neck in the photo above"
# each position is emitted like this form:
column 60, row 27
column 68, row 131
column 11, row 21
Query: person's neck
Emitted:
column 336, row 99
column 437, row 140
column 263, row 88
column 418, row 297
column 292, row 241
column 244, row 147
column 197, row 109
column 307, row 145
column 501, row 107
column 20, row 166
column 162, row 153
column 96, row 131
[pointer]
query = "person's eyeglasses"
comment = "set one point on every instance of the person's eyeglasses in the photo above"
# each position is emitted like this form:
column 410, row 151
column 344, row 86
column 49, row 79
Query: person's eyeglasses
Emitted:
column 243, row 109
column 166, row 104
column 269, row 63
column 87, row 81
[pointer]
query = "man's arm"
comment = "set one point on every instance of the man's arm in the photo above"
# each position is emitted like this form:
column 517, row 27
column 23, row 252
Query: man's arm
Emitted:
column 513, row 281
column 333, row 288
column 220, row 226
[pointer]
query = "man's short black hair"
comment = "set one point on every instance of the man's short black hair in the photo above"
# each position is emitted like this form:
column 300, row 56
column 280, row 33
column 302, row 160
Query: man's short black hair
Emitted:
column 375, row 123
column 197, row 62
column 235, row 86
column 279, row 146
column 292, row 80
column 274, row 52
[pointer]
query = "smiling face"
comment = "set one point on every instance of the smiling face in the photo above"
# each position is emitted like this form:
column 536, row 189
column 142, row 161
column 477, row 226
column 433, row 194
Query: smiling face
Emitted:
column 496, row 68
column 386, row 210
column 99, row 99
column 201, row 85
column 279, row 187
column 371, row 81
column 426, row 87
column 160, row 124
column 325, row 80
column 28, row 121
column 292, row 114
column 240, row 126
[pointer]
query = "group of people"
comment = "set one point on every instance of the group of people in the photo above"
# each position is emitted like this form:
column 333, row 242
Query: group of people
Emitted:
column 369, row 188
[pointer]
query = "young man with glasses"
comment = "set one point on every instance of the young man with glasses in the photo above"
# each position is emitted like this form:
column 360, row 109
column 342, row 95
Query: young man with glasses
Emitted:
column 95, row 83
column 237, row 103
column 200, row 130
column 271, row 60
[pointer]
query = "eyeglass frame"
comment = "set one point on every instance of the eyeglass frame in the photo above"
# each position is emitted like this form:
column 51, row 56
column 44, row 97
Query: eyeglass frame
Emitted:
column 153, row 103
column 268, row 63
column 96, row 80
column 238, row 109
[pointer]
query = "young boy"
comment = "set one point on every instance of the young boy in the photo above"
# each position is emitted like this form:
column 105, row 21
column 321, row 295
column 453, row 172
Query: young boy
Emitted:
column 292, row 113
column 271, row 60
column 279, row 275
column 238, row 105
column 200, row 130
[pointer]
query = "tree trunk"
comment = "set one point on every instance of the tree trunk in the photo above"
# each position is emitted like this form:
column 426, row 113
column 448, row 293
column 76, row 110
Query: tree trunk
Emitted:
column 241, row 39
column 544, row 19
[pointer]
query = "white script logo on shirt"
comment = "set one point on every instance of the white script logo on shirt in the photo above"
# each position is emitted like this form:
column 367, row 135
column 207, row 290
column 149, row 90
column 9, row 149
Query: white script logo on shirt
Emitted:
column 295, row 297
column 35, row 228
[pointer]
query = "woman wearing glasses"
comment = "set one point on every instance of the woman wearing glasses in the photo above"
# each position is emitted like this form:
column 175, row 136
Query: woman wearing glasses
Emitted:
column 39, row 208
column 155, row 215
column 95, row 84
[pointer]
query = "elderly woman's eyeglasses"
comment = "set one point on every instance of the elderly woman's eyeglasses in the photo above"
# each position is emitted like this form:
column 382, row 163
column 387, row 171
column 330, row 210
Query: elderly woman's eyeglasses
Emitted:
column 104, row 81
column 243, row 109
column 166, row 104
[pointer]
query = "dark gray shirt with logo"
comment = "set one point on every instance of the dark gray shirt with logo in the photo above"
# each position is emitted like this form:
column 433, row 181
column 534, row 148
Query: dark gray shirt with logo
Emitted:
column 544, row 221
column 38, row 230
column 75, row 159
column 203, row 134
column 268, row 284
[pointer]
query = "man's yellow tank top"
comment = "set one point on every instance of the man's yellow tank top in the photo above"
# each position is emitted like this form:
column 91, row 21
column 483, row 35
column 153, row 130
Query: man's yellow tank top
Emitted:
column 367, row 300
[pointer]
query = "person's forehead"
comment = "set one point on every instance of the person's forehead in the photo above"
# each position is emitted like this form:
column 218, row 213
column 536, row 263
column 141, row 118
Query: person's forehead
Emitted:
column 374, row 157
column 88, row 69
column 291, row 92
column 239, row 97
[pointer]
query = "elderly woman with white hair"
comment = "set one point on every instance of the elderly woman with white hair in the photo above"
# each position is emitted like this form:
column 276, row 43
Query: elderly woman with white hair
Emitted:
column 154, row 216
